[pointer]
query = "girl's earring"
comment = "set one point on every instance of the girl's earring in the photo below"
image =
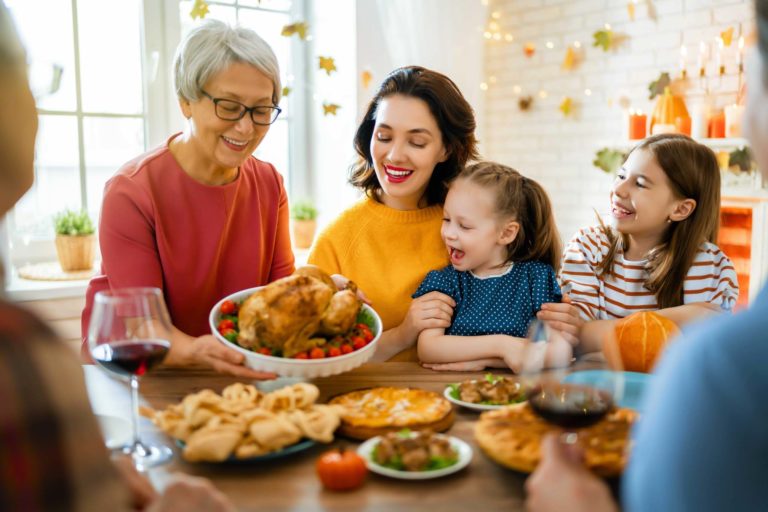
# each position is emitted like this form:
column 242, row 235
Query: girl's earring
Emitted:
column 669, row 221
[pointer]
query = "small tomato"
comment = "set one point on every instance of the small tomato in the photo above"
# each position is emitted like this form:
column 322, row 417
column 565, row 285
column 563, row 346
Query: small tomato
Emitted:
column 346, row 348
column 316, row 353
column 334, row 352
column 341, row 470
column 226, row 324
column 358, row 343
column 301, row 355
column 265, row 350
column 228, row 307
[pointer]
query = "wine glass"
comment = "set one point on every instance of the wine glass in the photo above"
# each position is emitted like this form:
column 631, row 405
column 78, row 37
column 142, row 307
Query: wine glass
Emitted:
column 129, row 334
column 544, row 369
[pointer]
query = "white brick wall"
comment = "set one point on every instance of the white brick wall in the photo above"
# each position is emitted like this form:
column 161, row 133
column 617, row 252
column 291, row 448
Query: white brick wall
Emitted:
column 558, row 151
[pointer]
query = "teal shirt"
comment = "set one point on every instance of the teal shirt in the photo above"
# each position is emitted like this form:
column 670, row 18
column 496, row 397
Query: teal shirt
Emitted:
column 501, row 304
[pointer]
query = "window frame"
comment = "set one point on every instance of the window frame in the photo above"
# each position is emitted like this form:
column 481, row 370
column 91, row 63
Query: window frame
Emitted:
column 160, row 33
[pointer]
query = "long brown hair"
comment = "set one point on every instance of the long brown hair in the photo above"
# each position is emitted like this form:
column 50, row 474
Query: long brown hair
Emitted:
column 526, row 201
column 454, row 117
column 693, row 173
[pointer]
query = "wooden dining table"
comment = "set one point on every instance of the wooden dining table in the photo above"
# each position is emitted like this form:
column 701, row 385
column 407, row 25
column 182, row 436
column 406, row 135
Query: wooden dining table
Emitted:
column 290, row 483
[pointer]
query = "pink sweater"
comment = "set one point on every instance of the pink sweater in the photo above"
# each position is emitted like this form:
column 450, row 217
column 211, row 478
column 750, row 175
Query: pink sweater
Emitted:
column 198, row 243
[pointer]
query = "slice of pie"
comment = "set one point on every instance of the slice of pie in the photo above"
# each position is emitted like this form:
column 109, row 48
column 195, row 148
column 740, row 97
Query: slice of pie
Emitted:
column 512, row 437
column 376, row 411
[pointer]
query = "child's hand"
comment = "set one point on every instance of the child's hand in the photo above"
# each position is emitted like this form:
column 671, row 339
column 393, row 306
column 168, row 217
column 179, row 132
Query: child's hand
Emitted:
column 564, row 317
column 466, row 366
column 433, row 310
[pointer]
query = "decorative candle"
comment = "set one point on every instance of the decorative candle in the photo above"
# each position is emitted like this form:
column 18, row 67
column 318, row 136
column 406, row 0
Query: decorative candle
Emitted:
column 702, row 58
column 699, row 109
column 717, row 125
column 741, row 54
column 720, row 46
column 683, row 55
column 683, row 125
column 637, row 125
column 733, row 115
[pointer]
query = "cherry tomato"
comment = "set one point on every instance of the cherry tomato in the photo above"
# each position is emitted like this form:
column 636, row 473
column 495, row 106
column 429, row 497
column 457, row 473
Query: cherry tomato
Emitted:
column 229, row 334
column 301, row 355
column 226, row 324
column 334, row 351
column 346, row 348
column 362, row 327
column 228, row 307
column 367, row 336
column 341, row 470
column 358, row 342
column 316, row 353
column 265, row 350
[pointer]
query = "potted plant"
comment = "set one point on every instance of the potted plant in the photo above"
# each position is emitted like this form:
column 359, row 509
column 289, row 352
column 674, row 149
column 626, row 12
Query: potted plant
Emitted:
column 74, row 240
column 303, row 216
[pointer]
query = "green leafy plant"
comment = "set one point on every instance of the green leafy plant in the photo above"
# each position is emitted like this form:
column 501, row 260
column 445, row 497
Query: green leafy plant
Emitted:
column 72, row 223
column 303, row 210
column 609, row 160
column 741, row 158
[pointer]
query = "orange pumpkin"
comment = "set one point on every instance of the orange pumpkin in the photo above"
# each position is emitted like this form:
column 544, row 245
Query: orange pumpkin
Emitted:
column 640, row 339
column 668, row 108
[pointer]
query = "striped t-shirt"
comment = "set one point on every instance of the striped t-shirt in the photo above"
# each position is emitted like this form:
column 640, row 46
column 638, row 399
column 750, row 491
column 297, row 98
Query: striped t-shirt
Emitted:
column 711, row 278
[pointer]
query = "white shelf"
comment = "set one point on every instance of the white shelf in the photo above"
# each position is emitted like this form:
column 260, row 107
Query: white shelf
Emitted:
column 729, row 143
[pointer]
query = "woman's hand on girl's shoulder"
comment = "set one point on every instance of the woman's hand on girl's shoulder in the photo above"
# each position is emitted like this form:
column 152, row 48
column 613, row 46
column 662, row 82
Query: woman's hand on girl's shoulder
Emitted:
column 564, row 317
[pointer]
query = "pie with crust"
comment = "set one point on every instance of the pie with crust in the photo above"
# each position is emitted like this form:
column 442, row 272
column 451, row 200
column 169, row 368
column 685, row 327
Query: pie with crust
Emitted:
column 512, row 436
column 376, row 411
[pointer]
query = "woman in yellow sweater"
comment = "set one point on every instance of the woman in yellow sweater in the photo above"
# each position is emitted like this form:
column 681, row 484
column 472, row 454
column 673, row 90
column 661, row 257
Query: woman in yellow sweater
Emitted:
column 417, row 134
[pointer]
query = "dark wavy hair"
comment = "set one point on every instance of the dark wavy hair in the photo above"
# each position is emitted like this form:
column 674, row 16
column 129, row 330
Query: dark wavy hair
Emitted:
column 454, row 117
column 761, row 17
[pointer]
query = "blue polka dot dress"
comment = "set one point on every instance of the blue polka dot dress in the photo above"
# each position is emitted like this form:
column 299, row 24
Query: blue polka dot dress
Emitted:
column 500, row 304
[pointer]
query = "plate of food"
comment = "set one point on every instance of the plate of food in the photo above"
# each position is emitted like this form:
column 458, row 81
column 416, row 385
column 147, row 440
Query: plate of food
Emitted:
column 372, row 412
column 300, row 446
column 411, row 455
column 298, row 326
column 512, row 436
column 486, row 394
column 244, row 424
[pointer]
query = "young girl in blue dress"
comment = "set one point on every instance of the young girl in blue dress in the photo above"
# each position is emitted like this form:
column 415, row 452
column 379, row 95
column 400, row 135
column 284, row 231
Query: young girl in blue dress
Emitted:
column 500, row 233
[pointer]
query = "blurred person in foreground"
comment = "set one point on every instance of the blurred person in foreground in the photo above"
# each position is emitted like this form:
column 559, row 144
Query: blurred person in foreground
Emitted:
column 52, row 456
column 702, row 444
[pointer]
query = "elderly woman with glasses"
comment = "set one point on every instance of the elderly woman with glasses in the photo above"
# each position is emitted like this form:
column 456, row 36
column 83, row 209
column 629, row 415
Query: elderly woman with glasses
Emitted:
column 199, row 216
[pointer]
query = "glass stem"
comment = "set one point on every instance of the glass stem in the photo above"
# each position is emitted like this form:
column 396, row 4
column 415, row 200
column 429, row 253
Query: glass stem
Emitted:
column 135, row 412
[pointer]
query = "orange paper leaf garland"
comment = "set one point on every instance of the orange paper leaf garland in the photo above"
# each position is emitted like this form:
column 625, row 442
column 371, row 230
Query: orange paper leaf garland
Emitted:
column 329, row 109
column 199, row 9
column 299, row 28
column 365, row 78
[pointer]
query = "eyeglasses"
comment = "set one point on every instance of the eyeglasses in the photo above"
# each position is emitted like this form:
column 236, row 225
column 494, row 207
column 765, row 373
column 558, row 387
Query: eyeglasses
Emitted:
column 231, row 110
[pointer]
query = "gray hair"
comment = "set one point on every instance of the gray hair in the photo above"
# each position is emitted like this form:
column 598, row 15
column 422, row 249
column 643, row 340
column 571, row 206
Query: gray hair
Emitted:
column 212, row 47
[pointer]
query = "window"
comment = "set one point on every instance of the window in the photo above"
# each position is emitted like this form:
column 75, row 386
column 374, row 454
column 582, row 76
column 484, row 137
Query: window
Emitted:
column 115, row 98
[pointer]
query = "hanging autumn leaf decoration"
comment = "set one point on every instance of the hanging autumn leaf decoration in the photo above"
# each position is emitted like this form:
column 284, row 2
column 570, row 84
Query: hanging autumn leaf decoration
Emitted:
column 566, row 106
column 329, row 109
column 529, row 49
column 631, row 10
column 657, row 86
column 199, row 9
column 365, row 78
column 525, row 103
column 571, row 60
column 327, row 64
column 286, row 91
column 299, row 28
column 609, row 160
column 603, row 39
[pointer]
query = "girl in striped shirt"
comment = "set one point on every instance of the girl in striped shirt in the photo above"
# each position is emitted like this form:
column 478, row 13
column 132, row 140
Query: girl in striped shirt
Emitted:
column 660, row 253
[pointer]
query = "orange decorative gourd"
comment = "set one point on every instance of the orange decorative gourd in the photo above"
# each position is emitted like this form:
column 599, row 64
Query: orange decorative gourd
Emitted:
column 668, row 108
column 641, row 338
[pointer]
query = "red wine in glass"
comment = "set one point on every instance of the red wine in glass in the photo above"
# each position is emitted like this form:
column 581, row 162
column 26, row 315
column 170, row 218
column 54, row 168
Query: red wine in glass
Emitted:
column 131, row 357
column 570, row 406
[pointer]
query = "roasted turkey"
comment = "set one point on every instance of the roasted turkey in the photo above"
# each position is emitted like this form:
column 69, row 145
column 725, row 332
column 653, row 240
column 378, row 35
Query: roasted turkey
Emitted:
column 293, row 313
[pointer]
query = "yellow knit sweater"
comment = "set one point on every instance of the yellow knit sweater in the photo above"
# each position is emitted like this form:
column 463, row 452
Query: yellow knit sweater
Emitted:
column 387, row 252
